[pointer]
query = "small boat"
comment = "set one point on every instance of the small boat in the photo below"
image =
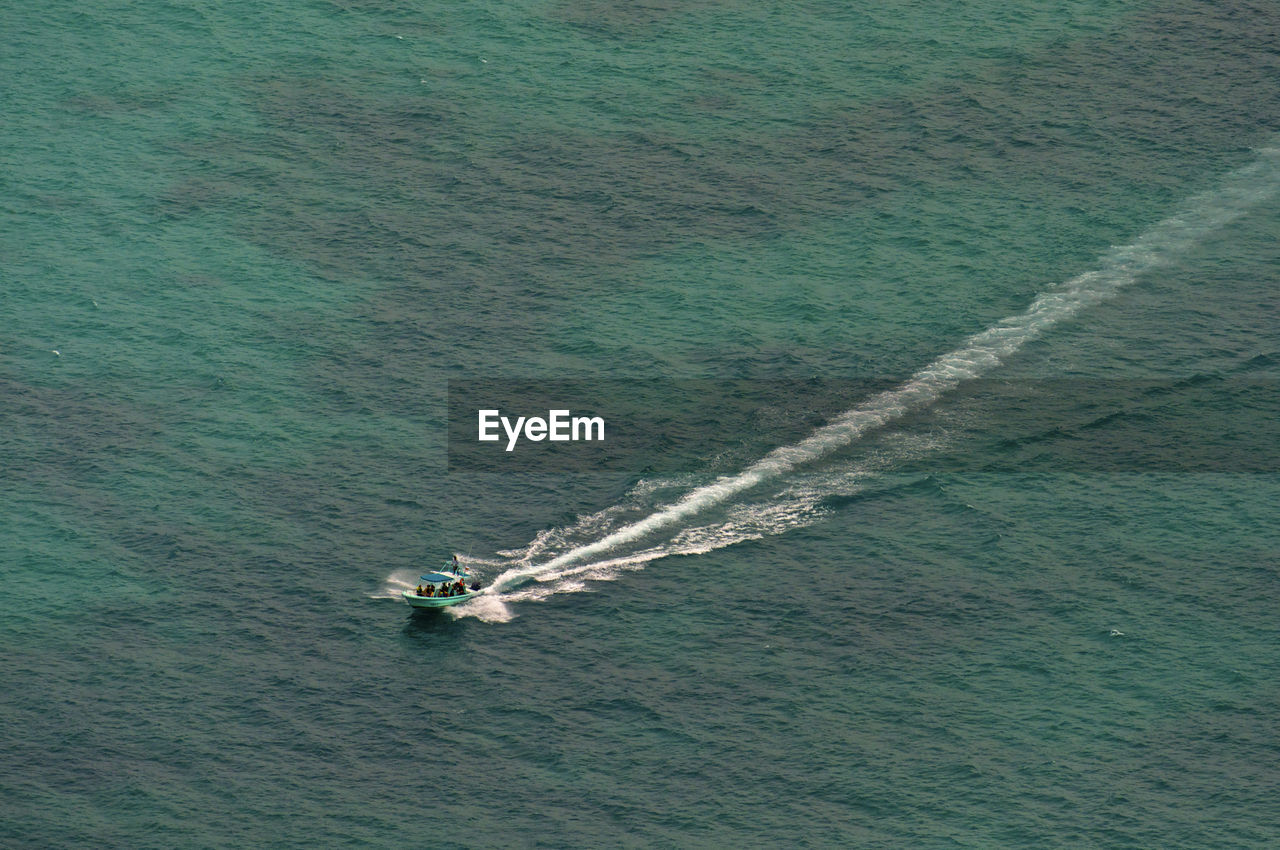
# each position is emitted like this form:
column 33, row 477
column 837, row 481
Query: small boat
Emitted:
column 440, row 590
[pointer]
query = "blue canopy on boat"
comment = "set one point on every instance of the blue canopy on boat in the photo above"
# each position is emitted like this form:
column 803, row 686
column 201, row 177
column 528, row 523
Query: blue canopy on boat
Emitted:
column 436, row 578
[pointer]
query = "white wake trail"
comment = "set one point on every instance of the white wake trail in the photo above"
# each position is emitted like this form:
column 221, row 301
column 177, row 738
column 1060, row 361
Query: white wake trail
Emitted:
column 1240, row 191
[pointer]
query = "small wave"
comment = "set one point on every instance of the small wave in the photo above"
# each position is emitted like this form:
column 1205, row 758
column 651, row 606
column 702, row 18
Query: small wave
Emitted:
column 392, row 585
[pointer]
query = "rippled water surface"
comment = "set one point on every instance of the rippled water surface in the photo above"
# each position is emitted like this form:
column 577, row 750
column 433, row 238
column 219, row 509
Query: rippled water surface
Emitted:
column 973, row 545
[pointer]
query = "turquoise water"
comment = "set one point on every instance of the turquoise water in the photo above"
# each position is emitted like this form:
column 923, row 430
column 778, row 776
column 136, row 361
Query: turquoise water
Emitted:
column 1024, row 599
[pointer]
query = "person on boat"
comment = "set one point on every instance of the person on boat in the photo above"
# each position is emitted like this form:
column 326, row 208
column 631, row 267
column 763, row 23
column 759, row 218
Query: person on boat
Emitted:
column 420, row 591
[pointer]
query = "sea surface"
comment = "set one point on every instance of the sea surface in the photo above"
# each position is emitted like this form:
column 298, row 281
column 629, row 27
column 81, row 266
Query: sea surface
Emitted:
column 963, row 319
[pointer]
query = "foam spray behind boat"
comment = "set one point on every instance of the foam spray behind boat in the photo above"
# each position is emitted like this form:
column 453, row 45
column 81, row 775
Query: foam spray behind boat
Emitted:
column 668, row 530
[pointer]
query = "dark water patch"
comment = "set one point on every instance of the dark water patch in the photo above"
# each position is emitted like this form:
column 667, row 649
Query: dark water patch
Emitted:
column 1077, row 121
column 1203, row 423
column 515, row 197
column 642, row 426
column 624, row 19
column 531, row 217
column 158, row 501
column 104, row 104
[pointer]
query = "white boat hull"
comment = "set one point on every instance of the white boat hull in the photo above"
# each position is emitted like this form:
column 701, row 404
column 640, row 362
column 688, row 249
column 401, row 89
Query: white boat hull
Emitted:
column 417, row 601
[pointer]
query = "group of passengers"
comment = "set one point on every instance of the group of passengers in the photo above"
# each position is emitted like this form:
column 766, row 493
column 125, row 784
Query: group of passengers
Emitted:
column 458, row 588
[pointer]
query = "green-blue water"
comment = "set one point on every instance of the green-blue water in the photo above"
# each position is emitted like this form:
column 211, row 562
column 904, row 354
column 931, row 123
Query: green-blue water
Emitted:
column 245, row 249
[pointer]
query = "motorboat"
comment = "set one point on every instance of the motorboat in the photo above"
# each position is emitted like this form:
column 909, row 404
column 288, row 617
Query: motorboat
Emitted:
column 441, row 589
